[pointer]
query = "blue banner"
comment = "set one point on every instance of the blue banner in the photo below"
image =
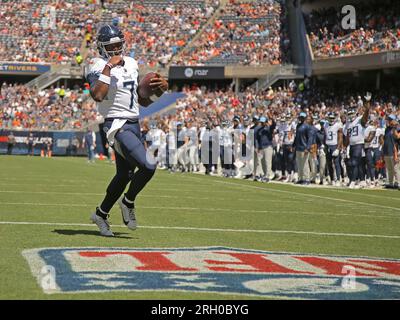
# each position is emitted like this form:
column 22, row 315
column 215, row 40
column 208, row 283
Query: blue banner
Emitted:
column 61, row 143
column 23, row 68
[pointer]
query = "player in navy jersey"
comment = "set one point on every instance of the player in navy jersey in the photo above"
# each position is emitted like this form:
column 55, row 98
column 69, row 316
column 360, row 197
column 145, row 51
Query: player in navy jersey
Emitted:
column 113, row 80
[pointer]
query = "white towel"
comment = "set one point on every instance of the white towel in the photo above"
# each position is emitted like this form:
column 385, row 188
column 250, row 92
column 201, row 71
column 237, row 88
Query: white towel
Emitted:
column 116, row 125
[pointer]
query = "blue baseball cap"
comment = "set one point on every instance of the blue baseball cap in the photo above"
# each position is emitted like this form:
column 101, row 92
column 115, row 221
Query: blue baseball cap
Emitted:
column 178, row 123
column 303, row 115
column 263, row 119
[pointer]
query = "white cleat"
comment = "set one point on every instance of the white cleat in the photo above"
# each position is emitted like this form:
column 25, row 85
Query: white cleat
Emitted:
column 353, row 185
column 338, row 184
column 103, row 225
column 128, row 215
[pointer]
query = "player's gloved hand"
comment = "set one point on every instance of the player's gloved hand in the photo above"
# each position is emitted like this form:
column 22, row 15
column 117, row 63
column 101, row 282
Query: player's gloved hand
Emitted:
column 368, row 96
column 159, row 85
column 116, row 61
column 335, row 153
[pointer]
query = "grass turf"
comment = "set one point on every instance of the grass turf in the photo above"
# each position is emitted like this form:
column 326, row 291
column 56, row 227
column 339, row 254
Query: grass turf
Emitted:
column 181, row 210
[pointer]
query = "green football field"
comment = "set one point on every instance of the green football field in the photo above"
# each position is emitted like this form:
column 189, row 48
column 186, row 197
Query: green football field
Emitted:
column 46, row 203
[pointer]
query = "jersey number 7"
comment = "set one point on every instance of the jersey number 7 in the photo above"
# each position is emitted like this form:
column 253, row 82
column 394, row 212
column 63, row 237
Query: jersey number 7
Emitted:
column 131, row 86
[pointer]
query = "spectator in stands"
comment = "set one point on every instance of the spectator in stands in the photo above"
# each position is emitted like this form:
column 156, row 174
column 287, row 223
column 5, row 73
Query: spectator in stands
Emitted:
column 78, row 58
column 61, row 92
column 25, row 108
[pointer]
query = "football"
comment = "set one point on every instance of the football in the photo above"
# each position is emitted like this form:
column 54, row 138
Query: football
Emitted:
column 145, row 90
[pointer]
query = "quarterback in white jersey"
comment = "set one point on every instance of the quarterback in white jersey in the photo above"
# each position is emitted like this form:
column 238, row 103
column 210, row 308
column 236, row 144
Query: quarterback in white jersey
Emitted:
column 113, row 80
column 121, row 100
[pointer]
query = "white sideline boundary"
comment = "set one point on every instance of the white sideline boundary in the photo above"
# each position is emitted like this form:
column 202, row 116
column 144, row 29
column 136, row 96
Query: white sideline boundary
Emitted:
column 323, row 234
column 307, row 195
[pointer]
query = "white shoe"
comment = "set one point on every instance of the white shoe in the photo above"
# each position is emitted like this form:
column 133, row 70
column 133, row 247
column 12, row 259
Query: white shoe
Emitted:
column 353, row 185
column 128, row 215
column 338, row 184
column 363, row 184
column 103, row 225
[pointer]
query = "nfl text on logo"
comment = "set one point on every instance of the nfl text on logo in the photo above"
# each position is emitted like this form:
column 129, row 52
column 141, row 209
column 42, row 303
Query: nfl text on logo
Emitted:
column 215, row 269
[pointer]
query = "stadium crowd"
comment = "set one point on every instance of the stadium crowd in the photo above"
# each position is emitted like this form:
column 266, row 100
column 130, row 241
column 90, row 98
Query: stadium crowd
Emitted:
column 52, row 31
column 49, row 109
column 276, row 117
column 377, row 29
column 154, row 31
column 49, row 31
column 249, row 33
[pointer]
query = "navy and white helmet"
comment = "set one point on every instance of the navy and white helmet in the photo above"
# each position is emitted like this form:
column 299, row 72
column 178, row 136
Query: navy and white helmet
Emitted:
column 110, row 41
column 351, row 113
column 225, row 123
column 331, row 118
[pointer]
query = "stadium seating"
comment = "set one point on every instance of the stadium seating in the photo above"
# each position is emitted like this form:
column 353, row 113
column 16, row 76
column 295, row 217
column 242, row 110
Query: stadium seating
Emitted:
column 44, row 30
column 249, row 33
column 22, row 108
column 216, row 106
column 156, row 30
column 377, row 29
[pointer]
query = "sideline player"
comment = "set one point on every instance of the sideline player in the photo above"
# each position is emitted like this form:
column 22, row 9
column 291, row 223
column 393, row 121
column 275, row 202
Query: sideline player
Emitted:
column 334, row 143
column 114, row 81
column 354, row 132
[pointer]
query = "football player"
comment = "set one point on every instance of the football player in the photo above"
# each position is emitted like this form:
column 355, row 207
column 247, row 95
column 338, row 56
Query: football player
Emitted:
column 114, row 81
column 334, row 143
column 369, row 138
column 225, row 147
column 193, row 145
column 354, row 132
column 289, row 132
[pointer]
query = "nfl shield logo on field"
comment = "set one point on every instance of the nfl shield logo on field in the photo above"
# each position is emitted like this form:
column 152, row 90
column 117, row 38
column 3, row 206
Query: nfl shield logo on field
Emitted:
column 219, row 270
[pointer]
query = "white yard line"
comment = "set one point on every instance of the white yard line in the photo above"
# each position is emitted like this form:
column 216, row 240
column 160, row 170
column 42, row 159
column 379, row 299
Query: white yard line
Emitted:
column 367, row 194
column 316, row 187
column 247, row 187
column 266, row 200
column 205, row 210
column 355, row 235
